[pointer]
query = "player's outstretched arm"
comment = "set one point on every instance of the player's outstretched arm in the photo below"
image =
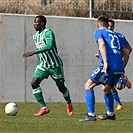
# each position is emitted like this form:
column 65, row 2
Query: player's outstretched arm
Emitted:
column 27, row 54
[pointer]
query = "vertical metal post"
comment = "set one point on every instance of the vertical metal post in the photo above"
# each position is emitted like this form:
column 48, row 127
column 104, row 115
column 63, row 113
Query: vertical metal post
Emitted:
column 115, row 5
column 132, row 10
column 91, row 8
column 25, row 7
column 25, row 11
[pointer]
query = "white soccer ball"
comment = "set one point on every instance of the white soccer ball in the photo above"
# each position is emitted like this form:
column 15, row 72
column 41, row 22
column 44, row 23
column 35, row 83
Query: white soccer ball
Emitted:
column 11, row 109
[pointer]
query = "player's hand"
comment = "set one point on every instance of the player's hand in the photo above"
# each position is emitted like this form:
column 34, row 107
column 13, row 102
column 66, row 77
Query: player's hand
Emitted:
column 27, row 54
column 97, row 56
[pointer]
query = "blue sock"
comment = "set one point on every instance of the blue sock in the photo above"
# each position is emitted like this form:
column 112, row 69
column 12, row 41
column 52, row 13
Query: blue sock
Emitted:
column 90, row 100
column 109, row 102
column 116, row 97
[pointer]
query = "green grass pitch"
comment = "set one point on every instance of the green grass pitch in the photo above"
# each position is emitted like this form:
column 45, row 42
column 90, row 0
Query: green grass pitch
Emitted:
column 57, row 121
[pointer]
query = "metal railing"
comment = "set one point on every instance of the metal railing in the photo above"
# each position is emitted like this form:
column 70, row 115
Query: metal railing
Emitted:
column 119, row 9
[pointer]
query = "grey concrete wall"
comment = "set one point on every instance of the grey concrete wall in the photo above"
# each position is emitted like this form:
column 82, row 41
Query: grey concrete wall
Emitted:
column 76, row 47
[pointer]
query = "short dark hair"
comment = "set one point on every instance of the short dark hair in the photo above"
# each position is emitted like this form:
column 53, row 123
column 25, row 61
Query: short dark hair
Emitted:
column 112, row 21
column 42, row 18
column 103, row 20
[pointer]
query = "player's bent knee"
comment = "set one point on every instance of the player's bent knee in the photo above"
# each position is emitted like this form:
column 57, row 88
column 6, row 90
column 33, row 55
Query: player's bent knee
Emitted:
column 34, row 85
column 89, row 85
column 106, row 89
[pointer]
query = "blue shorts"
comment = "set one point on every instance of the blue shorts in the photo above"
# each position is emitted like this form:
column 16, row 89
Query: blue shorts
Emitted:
column 110, row 79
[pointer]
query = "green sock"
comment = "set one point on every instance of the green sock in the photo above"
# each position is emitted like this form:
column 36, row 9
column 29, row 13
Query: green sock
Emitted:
column 66, row 96
column 39, row 97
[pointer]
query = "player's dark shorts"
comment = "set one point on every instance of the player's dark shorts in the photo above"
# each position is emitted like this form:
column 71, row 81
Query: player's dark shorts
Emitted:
column 57, row 74
column 110, row 79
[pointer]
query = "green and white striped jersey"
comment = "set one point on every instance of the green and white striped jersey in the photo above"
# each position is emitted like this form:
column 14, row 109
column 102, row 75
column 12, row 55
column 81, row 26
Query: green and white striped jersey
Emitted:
column 46, row 49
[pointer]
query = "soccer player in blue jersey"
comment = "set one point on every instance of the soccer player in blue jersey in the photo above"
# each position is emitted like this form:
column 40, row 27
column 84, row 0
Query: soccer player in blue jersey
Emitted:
column 49, row 64
column 108, row 73
column 123, row 79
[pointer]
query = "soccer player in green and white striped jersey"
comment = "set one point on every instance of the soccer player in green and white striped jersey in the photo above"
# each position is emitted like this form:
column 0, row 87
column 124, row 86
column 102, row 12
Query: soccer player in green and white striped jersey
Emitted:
column 49, row 64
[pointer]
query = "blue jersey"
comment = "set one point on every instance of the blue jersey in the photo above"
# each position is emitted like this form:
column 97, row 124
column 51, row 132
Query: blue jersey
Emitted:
column 113, row 49
column 124, row 41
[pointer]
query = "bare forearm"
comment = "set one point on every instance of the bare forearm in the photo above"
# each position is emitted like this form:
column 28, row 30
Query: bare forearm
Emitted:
column 27, row 54
column 102, row 49
column 125, row 59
